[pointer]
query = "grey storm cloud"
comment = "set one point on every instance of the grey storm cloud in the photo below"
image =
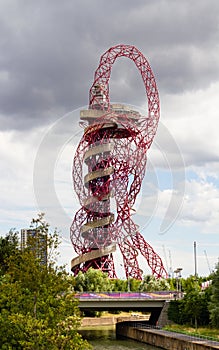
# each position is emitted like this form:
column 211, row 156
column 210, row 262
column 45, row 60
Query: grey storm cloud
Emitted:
column 50, row 50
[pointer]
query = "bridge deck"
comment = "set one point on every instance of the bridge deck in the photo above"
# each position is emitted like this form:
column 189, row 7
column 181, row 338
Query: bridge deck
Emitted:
column 123, row 300
column 162, row 295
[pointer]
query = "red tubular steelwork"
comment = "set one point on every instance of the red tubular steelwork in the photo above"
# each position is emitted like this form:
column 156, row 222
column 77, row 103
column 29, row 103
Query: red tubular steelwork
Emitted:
column 108, row 169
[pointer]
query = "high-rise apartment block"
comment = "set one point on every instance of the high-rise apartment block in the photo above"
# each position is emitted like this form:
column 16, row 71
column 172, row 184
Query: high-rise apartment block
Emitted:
column 36, row 241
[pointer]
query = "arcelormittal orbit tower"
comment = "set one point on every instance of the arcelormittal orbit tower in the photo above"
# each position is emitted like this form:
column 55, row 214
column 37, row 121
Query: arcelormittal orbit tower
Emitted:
column 108, row 169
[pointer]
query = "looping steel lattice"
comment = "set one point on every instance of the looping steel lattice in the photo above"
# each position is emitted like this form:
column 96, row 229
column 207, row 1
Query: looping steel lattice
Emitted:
column 108, row 169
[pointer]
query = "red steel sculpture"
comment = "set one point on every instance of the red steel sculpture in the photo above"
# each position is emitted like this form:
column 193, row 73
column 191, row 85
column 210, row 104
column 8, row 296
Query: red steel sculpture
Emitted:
column 108, row 169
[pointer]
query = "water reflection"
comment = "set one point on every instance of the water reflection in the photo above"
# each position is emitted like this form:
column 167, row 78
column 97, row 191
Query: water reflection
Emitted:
column 104, row 338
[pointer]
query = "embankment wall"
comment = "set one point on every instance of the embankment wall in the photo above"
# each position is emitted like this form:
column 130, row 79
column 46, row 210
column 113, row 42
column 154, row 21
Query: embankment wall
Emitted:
column 163, row 341
column 111, row 320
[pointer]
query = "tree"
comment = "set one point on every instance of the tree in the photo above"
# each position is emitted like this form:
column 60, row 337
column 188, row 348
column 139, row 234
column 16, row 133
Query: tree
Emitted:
column 92, row 281
column 151, row 284
column 214, row 302
column 37, row 305
column 8, row 247
column 134, row 285
column 119, row 285
column 174, row 311
column 193, row 308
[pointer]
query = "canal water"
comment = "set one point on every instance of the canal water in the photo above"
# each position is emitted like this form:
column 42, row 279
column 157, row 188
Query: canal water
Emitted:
column 104, row 338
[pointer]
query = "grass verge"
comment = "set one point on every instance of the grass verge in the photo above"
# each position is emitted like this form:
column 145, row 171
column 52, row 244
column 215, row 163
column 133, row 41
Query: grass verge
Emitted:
column 203, row 332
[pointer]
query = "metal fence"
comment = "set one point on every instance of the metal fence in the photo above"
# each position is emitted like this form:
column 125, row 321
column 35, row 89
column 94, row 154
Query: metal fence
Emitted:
column 183, row 335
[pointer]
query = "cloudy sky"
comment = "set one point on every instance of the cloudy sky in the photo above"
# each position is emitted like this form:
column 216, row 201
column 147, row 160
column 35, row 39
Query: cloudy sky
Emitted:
column 48, row 54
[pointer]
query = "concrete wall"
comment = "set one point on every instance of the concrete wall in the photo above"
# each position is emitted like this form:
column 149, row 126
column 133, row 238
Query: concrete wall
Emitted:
column 111, row 320
column 94, row 321
column 163, row 318
column 156, row 338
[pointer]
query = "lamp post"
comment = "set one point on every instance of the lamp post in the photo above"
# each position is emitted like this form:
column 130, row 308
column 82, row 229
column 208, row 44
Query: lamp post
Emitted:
column 178, row 282
column 195, row 261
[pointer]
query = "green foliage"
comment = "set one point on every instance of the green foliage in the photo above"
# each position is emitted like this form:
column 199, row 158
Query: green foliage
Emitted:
column 119, row 285
column 214, row 302
column 134, row 285
column 205, row 332
column 92, row 281
column 20, row 331
column 193, row 308
column 174, row 311
column 8, row 247
column 151, row 284
column 97, row 281
column 191, row 283
column 37, row 305
column 171, row 283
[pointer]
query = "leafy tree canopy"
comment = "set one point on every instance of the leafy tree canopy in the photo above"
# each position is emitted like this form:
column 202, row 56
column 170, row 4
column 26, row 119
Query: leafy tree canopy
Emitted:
column 37, row 305
column 151, row 284
column 92, row 281
column 214, row 303
column 8, row 247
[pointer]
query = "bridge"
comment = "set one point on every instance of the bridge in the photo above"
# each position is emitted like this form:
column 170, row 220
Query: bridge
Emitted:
column 152, row 302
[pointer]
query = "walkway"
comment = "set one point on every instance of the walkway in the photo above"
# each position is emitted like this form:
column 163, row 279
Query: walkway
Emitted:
column 210, row 344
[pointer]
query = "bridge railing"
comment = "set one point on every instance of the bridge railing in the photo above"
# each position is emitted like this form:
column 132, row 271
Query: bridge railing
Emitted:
column 193, row 336
column 197, row 336
column 143, row 325
column 167, row 295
